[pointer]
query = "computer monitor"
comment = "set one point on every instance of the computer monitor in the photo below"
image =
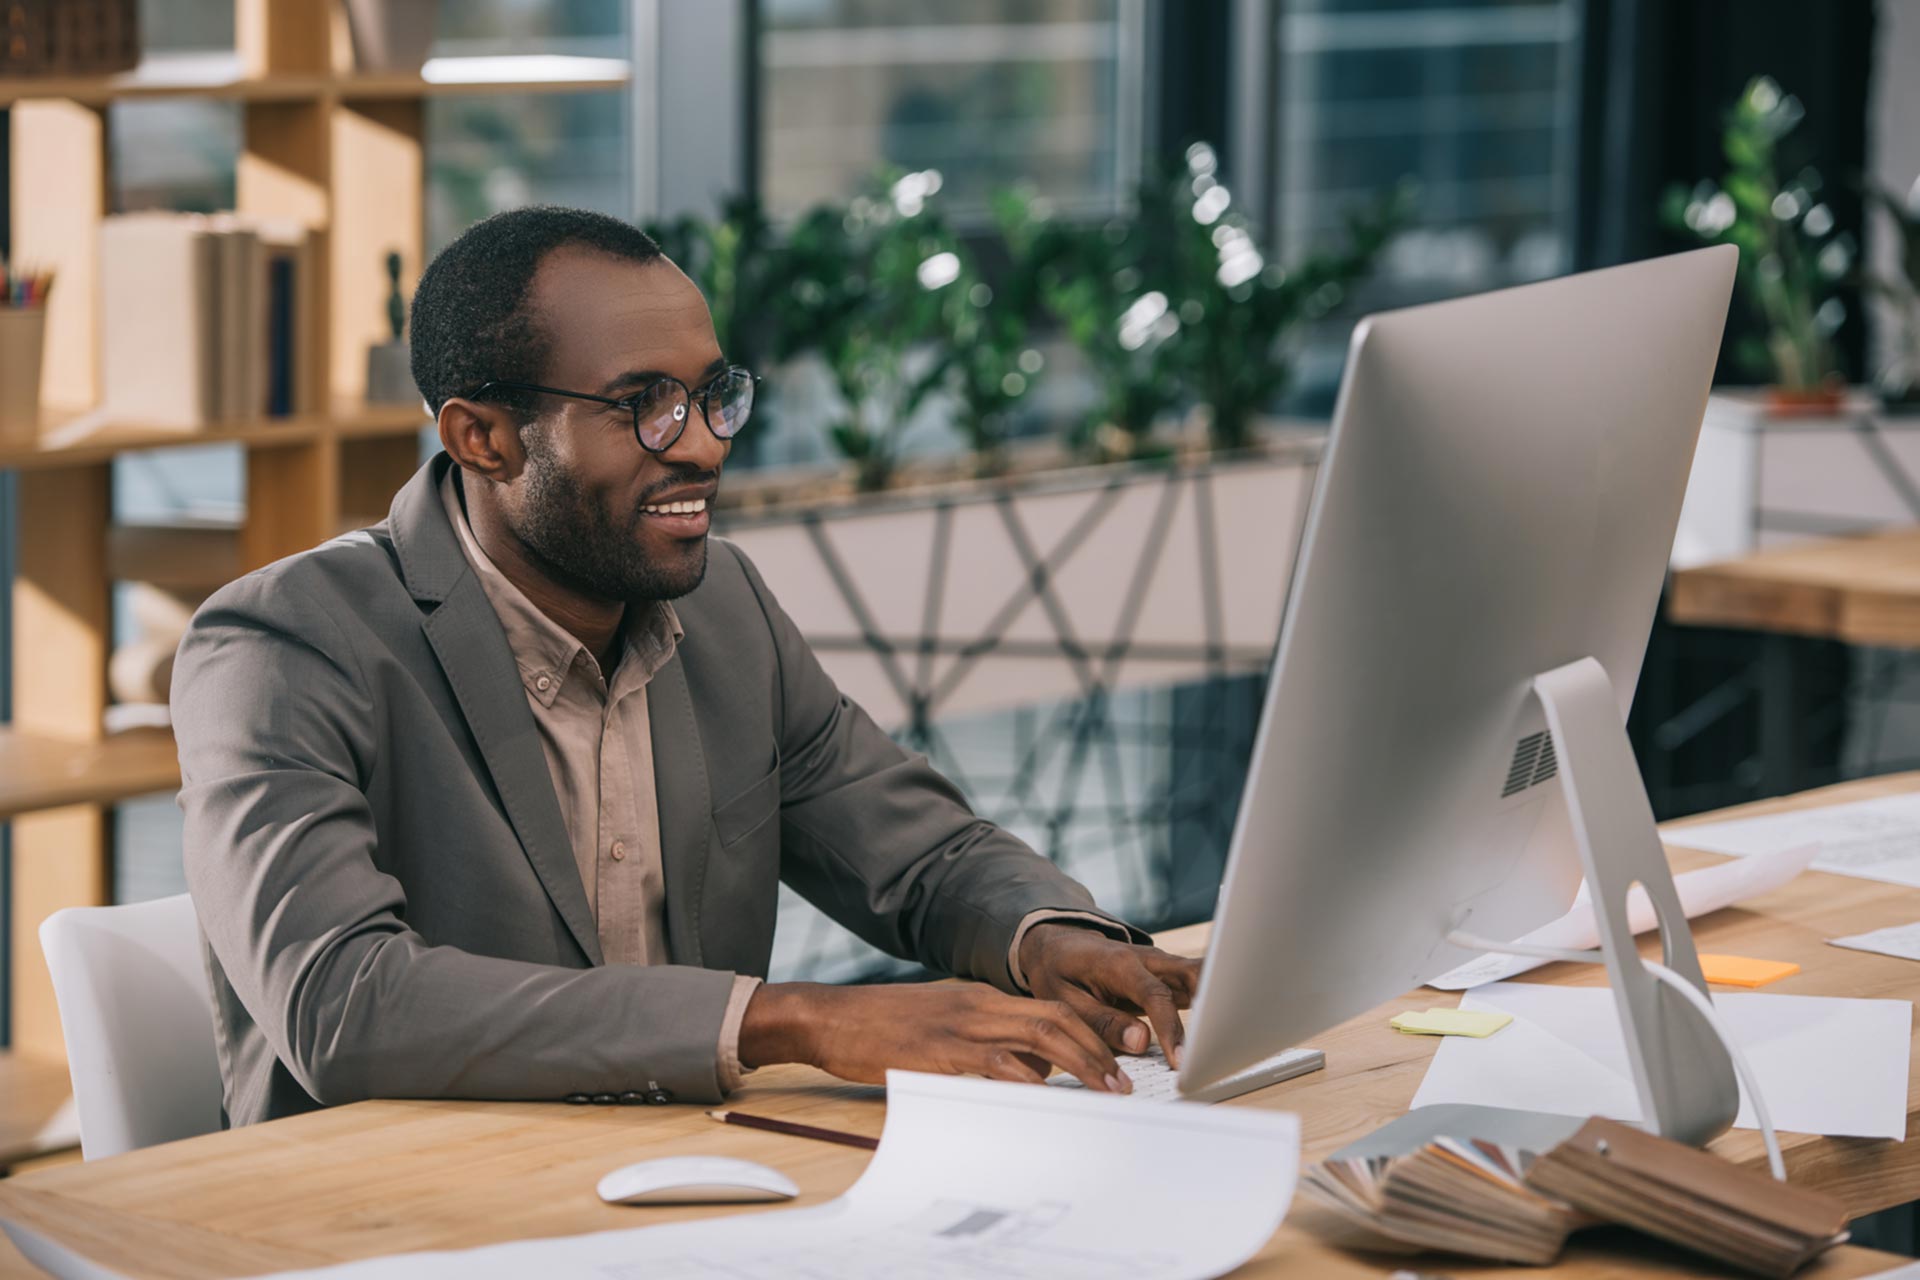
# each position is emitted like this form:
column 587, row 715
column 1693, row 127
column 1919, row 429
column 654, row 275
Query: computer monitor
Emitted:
column 1485, row 548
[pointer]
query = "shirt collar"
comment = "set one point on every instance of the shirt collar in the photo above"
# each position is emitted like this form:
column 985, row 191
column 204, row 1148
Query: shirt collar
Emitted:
column 547, row 653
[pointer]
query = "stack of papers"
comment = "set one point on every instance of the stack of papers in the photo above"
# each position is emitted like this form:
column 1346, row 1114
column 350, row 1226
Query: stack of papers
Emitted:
column 1902, row 941
column 1870, row 839
column 1702, row 891
column 1827, row 1066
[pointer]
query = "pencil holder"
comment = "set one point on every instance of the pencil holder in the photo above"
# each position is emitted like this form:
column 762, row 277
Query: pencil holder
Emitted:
column 22, row 330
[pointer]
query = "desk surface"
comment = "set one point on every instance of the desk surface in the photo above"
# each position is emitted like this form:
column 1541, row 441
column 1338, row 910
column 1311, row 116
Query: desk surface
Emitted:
column 389, row 1177
column 1863, row 590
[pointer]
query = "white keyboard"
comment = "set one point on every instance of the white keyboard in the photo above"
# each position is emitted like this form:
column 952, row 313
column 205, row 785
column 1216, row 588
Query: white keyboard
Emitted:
column 1155, row 1081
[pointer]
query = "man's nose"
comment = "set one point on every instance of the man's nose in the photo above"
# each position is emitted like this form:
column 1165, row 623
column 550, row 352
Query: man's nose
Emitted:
column 697, row 446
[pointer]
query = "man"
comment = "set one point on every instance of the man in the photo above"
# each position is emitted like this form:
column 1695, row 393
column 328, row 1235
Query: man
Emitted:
column 492, row 799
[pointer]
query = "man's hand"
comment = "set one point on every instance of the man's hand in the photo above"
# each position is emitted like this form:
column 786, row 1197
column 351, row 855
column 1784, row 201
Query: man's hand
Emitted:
column 1109, row 984
column 856, row 1033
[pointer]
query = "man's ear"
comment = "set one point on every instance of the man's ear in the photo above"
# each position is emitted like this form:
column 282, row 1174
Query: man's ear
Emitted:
column 482, row 438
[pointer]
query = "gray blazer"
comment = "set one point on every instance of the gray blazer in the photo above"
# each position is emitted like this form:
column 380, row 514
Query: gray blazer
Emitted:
column 389, row 899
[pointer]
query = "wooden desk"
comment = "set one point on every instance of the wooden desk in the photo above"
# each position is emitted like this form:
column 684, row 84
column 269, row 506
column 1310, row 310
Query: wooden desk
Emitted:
column 389, row 1177
column 1862, row 590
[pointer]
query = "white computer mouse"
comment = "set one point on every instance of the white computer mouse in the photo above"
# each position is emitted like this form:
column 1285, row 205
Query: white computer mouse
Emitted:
column 695, row 1180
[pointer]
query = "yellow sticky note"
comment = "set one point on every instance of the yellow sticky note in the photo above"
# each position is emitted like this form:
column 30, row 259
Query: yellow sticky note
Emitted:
column 1451, row 1022
column 1738, row 971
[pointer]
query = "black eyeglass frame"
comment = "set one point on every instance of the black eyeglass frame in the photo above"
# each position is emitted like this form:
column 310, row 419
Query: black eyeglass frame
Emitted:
column 631, row 403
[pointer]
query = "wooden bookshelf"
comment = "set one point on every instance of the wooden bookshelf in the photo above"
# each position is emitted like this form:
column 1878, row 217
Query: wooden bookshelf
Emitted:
column 39, row 772
column 195, row 79
column 224, row 79
column 337, row 150
column 76, row 439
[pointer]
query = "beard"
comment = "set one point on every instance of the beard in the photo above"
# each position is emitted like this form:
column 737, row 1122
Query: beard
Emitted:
column 586, row 548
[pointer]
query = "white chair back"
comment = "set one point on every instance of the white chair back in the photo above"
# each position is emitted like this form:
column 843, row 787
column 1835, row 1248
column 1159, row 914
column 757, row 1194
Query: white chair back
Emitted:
column 138, row 1022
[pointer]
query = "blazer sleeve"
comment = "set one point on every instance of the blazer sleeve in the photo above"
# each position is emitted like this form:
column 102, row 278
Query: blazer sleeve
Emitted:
column 277, row 735
column 880, row 841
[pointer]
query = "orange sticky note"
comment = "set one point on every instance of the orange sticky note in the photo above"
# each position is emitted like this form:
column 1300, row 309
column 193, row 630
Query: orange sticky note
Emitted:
column 1738, row 971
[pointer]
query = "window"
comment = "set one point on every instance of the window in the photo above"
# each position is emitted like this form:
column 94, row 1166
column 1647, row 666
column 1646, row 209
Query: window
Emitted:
column 489, row 153
column 988, row 92
column 486, row 154
column 1475, row 99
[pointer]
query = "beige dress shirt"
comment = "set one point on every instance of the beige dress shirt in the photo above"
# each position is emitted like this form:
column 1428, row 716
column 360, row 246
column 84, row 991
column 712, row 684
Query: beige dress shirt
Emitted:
column 599, row 747
column 598, row 742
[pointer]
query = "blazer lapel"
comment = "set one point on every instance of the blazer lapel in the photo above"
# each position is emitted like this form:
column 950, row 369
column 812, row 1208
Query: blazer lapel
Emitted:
column 680, row 782
column 465, row 633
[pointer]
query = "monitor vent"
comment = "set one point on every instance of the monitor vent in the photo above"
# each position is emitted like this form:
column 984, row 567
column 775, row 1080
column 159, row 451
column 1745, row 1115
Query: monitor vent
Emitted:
column 1526, row 761
column 1549, row 765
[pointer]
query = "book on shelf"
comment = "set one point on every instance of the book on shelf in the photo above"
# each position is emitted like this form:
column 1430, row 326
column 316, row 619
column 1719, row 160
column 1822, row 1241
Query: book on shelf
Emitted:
column 1482, row 1200
column 203, row 317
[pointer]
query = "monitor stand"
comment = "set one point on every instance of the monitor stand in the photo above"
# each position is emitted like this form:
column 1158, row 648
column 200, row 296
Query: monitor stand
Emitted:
column 1681, row 1071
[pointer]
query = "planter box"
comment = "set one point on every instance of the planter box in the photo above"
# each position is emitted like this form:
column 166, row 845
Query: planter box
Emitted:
column 980, row 595
column 1760, row 478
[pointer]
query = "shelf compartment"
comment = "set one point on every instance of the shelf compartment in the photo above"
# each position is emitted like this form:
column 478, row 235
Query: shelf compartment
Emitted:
column 223, row 76
column 183, row 76
column 88, row 438
column 39, row 771
column 510, row 73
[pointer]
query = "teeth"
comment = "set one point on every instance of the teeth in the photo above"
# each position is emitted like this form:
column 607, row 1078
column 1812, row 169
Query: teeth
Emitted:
column 692, row 508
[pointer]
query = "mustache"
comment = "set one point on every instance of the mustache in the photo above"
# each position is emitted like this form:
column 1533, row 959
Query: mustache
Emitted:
column 681, row 478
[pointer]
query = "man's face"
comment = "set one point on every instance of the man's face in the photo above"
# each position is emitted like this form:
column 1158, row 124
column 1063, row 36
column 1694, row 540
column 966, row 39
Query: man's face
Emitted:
column 586, row 504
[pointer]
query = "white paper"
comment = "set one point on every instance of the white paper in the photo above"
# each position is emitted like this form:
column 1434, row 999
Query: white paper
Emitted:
column 1901, row 941
column 1828, row 1066
column 1702, row 891
column 973, row 1178
column 1870, row 839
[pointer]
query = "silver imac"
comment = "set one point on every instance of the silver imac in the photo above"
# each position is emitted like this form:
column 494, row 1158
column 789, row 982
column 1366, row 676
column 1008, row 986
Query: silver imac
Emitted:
column 1443, row 747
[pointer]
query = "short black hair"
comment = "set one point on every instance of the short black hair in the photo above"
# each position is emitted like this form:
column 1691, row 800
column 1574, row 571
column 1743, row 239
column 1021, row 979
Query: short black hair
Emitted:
column 470, row 321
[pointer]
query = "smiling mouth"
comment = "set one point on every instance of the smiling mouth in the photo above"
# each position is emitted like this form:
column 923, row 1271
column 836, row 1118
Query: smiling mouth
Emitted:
column 692, row 508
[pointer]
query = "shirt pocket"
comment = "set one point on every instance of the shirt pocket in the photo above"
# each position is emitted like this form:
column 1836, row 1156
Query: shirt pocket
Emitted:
column 750, row 810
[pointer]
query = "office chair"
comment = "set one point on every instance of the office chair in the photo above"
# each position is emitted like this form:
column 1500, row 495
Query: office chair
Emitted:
column 138, row 1022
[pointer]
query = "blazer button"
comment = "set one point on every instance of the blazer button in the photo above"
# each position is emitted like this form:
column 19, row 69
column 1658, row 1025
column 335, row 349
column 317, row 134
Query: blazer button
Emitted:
column 604, row 1099
column 659, row 1097
column 578, row 1099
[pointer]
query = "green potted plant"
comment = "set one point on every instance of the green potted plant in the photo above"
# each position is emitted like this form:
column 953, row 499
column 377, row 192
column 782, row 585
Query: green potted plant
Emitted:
column 1104, row 286
column 1899, row 382
column 994, row 362
column 1238, row 304
column 874, row 287
column 1792, row 263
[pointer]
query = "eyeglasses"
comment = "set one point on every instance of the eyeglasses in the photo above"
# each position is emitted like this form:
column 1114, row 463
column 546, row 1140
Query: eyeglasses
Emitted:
column 661, row 408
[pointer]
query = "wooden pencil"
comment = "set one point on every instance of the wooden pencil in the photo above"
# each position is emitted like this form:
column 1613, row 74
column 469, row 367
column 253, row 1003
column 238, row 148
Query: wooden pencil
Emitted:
column 796, row 1130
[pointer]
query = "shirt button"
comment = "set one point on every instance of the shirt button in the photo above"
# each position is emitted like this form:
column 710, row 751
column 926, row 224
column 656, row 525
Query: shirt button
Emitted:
column 619, row 850
column 543, row 684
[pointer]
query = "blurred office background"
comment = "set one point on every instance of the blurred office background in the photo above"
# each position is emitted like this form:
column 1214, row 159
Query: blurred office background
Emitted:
column 1388, row 152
